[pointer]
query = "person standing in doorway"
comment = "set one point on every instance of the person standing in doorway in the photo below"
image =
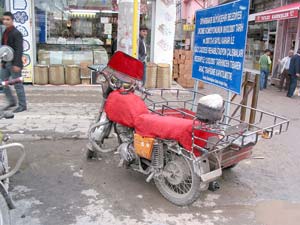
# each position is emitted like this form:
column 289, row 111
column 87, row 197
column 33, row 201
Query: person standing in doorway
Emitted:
column 285, row 65
column 114, row 43
column 264, row 64
column 143, row 48
column 294, row 73
column 14, row 39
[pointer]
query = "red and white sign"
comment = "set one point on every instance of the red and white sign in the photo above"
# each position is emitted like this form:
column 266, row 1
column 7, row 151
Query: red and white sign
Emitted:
column 277, row 16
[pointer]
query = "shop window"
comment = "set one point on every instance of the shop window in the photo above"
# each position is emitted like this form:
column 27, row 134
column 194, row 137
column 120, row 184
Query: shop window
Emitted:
column 75, row 31
column 2, row 9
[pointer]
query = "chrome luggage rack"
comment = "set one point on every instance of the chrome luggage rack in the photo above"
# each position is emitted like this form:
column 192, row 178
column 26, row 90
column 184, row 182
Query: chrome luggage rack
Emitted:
column 233, row 130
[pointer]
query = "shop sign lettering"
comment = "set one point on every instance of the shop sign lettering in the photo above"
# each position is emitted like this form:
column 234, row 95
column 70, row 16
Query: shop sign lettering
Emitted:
column 277, row 16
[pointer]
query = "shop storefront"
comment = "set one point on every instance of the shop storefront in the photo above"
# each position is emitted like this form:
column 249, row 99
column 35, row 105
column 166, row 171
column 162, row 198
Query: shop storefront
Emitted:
column 2, row 10
column 76, row 32
column 277, row 29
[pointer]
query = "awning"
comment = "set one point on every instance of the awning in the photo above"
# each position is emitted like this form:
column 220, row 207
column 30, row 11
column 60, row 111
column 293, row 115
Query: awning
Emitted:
column 281, row 13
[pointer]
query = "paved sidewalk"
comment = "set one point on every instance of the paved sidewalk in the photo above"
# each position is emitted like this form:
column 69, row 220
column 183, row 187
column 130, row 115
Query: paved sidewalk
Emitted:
column 54, row 112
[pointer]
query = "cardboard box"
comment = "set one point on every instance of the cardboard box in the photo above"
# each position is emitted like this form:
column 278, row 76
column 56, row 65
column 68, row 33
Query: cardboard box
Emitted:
column 175, row 75
column 86, row 81
column 181, row 51
column 182, row 69
column 175, row 61
column 182, row 57
column 188, row 62
column 188, row 83
column 181, row 61
column 181, row 81
column 85, row 71
column 189, row 55
column 176, row 55
column 187, row 75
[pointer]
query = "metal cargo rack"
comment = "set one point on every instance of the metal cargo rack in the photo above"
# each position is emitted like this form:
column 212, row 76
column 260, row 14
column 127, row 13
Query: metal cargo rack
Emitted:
column 233, row 130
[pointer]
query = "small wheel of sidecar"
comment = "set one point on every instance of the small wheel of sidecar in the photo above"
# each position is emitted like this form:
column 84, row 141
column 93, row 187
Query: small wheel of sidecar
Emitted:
column 230, row 167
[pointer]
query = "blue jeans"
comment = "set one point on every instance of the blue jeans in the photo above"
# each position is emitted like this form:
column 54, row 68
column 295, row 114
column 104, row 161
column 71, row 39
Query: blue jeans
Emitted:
column 144, row 77
column 263, row 79
column 6, row 74
column 292, row 86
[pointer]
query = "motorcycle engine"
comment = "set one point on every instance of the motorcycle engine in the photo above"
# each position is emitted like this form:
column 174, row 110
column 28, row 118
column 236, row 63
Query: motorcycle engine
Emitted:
column 126, row 151
column 125, row 133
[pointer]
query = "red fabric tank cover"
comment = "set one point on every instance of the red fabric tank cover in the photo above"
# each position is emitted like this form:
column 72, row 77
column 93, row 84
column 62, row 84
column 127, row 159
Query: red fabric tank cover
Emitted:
column 124, row 108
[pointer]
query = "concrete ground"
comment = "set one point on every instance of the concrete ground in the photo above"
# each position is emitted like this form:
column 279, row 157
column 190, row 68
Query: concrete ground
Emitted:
column 56, row 185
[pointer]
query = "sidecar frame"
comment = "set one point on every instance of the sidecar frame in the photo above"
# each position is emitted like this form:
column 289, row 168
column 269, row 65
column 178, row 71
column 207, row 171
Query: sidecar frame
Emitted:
column 236, row 137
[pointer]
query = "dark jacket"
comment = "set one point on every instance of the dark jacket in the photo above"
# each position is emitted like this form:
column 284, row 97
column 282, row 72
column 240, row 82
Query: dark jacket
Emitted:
column 114, row 46
column 295, row 65
column 15, row 41
column 142, row 52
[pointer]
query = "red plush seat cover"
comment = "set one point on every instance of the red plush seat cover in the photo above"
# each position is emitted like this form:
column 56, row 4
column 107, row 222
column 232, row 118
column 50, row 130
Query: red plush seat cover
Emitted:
column 131, row 111
column 124, row 108
column 171, row 128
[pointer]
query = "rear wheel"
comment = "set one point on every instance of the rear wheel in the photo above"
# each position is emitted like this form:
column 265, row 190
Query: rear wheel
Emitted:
column 178, row 183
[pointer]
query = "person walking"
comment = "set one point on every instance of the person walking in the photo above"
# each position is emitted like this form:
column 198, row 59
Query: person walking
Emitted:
column 264, row 64
column 143, row 48
column 14, row 39
column 285, row 65
column 294, row 73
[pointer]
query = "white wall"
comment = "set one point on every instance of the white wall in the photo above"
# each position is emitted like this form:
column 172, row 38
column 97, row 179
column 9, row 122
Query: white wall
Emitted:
column 164, row 33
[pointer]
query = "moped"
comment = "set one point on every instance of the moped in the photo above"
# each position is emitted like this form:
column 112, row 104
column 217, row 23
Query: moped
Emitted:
column 179, row 138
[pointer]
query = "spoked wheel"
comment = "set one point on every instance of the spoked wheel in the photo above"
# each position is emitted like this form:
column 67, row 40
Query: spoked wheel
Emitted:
column 178, row 183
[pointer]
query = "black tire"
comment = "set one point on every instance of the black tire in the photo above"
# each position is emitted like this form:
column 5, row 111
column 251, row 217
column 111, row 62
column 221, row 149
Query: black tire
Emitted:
column 168, row 190
column 4, row 212
column 230, row 167
column 90, row 154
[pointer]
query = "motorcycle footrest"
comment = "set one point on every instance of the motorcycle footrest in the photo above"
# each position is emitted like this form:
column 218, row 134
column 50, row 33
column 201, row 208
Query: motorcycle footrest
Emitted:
column 211, row 176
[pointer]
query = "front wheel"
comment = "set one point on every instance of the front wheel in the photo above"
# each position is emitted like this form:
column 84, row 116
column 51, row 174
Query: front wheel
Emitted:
column 178, row 183
column 4, row 212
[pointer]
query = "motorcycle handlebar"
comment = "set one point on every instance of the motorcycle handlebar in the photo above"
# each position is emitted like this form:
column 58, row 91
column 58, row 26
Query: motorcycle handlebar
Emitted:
column 12, row 82
column 134, row 86
column 143, row 90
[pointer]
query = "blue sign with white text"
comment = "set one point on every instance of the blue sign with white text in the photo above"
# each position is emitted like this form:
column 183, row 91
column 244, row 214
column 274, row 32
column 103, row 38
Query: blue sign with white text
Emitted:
column 220, row 40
